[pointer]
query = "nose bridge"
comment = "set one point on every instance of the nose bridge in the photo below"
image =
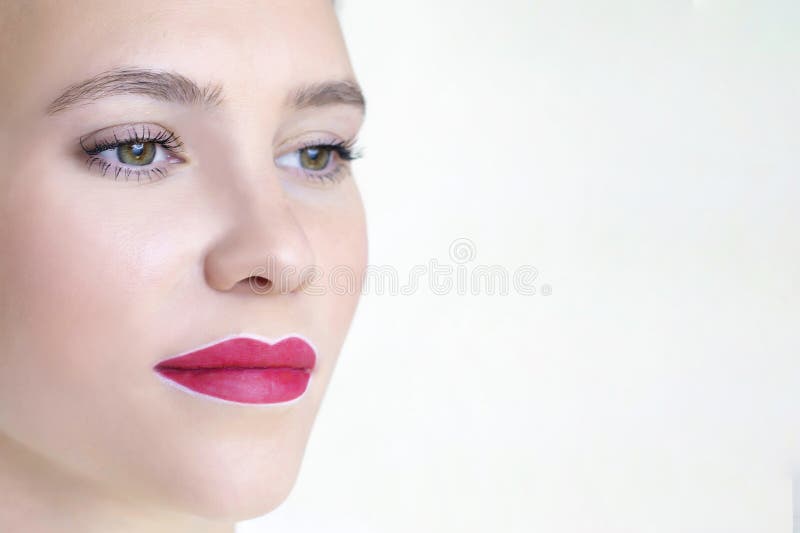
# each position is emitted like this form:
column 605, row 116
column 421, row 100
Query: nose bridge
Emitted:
column 264, row 239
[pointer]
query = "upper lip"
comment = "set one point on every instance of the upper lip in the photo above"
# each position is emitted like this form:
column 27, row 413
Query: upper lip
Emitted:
column 246, row 351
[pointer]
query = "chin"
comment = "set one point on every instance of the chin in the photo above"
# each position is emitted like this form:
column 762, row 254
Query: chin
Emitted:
column 243, row 501
column 232, row 497
column 229, row 481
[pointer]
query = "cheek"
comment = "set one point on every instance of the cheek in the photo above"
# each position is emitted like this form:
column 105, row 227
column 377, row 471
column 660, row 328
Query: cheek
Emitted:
column 70, row 262
column 80, row 284
column 73, row 284
column 339, row 241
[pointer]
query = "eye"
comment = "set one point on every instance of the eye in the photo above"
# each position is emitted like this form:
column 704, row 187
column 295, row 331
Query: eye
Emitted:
column 319, row 161
column 126, row 152
column 137, row 154
column 315, row 158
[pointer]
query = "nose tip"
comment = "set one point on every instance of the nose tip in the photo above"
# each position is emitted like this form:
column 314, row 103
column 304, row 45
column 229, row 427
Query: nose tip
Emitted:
column 264, row 253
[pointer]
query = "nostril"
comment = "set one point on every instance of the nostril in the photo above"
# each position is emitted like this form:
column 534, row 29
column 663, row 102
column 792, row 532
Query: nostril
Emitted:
column 259, row 284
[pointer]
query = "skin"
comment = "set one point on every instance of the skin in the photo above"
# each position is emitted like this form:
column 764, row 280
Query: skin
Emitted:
column 103, row 278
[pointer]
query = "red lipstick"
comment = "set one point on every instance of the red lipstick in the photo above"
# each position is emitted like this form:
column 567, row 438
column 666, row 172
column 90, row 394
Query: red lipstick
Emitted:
column 244, row 368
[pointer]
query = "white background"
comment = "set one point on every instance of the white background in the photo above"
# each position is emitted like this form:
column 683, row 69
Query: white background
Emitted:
column 643, row 156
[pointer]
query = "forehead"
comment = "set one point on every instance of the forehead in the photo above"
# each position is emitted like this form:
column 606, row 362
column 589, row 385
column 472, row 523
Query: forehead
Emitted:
column 254, row 47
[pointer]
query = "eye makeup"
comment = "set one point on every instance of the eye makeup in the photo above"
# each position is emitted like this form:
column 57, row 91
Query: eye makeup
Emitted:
column 132, row 142
column 146, row 151
column 320, row 160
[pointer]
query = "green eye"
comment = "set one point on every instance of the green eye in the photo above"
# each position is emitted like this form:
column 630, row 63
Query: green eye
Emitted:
column 319, row 161
column 314, row 158
column 137, row 154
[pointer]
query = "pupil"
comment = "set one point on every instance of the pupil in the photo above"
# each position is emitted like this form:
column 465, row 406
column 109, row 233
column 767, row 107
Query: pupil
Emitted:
column 138, row 149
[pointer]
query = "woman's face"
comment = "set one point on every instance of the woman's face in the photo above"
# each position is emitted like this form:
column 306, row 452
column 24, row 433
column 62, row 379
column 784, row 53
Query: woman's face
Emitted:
column 115, row 260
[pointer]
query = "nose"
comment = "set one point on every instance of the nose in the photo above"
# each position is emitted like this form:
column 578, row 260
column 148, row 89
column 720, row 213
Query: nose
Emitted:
column 265, row 251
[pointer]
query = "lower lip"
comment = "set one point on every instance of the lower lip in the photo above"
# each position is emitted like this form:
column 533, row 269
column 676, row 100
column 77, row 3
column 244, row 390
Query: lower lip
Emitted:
column 244, row 385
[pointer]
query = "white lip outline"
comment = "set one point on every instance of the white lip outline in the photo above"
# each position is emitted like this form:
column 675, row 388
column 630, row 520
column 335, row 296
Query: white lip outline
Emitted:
column 253, row 336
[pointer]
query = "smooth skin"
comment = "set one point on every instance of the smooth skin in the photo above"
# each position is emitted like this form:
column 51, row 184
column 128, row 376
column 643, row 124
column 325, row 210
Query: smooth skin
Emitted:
column 101, row 278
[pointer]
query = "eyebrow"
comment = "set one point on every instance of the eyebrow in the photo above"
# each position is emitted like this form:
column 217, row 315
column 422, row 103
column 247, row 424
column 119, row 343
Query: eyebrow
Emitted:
column 172, row 87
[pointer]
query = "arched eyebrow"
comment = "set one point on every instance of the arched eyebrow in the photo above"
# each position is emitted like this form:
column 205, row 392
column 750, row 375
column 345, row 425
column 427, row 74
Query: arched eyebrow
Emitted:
column 167, row 86
column 327, row 93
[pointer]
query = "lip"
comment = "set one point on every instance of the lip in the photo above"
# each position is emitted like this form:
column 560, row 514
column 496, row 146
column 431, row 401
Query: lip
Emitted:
column 244, row 368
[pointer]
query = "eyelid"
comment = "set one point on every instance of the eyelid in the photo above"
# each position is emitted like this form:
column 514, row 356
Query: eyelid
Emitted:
column 341, row 154
column 130, row 133
column 111, row 138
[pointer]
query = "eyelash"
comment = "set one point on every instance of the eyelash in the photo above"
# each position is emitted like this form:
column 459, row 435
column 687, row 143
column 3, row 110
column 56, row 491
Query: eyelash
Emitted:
column 167, row 139
column 341, row 150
